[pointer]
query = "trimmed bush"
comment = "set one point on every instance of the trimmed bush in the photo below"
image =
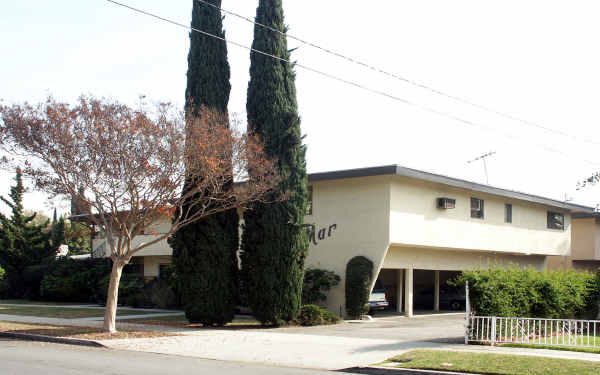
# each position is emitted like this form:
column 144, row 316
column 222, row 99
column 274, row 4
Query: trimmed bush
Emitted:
column 530, row 293
column 310, row 315
column 155, row 293
column 359, row 275
column 313, row 315
column 329, row 317
column 316, row 283
column 70, row 280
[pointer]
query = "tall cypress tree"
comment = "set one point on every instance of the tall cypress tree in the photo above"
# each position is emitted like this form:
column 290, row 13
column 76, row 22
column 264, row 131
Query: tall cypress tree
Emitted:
column 22, row 243
column 204, row 253
column 274, row 240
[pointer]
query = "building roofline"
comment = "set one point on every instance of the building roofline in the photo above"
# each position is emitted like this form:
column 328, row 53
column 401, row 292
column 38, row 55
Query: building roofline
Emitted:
column 445, row 180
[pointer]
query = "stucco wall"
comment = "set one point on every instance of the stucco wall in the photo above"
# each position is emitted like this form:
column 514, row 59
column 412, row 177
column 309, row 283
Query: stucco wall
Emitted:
column 584, row 238
column 159, row 248
column 359, row 209
column 415, row 220
column 152, row 263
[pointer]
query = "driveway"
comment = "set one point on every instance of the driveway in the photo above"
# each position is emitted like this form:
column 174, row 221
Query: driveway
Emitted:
column 437, row 328
column 325, row 347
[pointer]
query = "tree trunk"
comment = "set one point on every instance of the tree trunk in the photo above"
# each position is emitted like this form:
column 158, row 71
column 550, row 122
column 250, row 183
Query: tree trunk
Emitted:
column 110, row 313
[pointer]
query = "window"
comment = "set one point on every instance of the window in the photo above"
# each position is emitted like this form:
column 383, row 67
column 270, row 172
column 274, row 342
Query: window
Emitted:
column 477, row 208
column 556, row 220
column 508, row 213
column 309, row 209
column 446, row 203
column 134, row 269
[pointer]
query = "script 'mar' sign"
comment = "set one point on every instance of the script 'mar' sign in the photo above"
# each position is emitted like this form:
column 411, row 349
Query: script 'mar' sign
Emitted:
column 315, row 235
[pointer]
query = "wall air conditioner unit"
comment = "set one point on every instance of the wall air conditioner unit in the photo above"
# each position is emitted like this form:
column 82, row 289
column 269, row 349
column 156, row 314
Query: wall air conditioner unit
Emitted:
column 446, row 203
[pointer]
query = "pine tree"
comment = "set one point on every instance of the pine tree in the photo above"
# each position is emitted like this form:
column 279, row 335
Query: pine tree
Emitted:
column 274, row 240
column 204, row 253
column 58, row 233
column 77, row 237
column 22, row 243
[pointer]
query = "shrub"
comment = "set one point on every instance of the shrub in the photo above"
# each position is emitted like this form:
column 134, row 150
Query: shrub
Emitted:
column 313, row 315
column 329, row 317
column 32, row 279
column 316, row 283
column 155, row 293
column 70, row 280
column 530, row 293
column 310, row 315
column 359, row 274
column 130, row 287
column 3, row 286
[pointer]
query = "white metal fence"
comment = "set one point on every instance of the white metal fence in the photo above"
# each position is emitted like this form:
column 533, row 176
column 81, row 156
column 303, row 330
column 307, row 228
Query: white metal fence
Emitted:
column 533, row 331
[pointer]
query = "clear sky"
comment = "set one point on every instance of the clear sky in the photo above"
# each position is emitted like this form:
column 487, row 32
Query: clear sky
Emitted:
column 537, row 60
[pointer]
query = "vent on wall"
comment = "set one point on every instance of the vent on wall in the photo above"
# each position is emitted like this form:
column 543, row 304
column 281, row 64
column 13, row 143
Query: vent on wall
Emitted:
column 446, row 203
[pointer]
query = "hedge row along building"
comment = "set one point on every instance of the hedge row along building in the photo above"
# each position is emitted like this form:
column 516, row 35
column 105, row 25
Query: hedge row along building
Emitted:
column 420, row 229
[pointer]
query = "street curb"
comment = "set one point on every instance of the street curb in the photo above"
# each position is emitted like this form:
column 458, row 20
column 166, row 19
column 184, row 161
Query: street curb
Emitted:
column 57, row 340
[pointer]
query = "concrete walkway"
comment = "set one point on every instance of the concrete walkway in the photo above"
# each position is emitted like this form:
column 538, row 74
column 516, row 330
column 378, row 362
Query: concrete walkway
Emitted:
column 327, row 347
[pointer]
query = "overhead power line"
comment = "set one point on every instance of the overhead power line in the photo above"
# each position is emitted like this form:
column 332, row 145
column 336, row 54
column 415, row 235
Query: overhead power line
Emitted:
column 348, row 82
column 406, row 80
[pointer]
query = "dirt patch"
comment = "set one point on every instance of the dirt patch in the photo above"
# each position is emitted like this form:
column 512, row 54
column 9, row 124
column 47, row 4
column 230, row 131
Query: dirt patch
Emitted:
column 181, row 322
column 87, row 333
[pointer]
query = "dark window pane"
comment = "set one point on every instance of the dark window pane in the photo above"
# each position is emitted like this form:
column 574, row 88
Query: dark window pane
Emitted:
column 556, row 220
column 508, row 213
column 477, row 208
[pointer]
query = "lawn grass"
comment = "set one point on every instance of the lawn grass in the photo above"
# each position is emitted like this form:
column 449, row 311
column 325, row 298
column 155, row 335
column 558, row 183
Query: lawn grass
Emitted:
column 493, row 364
column 88, row 333
column 63, row 312
column 181, row 322
column 595, row 350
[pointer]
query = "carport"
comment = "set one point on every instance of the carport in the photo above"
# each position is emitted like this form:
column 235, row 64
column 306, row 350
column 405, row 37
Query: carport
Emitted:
column 411, row 289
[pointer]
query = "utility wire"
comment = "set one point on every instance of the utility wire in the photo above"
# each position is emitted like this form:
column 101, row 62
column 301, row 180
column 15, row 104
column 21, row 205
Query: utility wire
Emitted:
column 406, row 80
column 348, row 82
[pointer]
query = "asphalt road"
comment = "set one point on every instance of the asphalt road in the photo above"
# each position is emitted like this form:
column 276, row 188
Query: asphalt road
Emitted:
column 34, row 358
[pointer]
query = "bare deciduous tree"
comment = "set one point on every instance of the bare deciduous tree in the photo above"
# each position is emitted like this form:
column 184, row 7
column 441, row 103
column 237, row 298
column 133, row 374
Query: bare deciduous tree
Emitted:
column 130, row 168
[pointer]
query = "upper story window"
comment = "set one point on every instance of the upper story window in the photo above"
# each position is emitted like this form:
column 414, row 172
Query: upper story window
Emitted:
column 556, row 220
column 508, row 213
column 477, row 208
column 309, row 209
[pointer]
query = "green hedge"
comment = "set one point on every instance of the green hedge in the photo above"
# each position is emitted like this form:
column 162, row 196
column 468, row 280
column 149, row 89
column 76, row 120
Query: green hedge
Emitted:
column 530, row 293
column 359, row 275
column 70, row 280
column 313, row 315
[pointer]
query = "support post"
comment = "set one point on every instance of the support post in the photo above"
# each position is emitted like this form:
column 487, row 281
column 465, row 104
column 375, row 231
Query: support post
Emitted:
column 408, row 293
column 468, row 321
column 436, row 292
column 399, row 289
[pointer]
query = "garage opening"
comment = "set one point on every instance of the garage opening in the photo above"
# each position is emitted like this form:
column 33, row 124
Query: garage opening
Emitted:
column 424, row 291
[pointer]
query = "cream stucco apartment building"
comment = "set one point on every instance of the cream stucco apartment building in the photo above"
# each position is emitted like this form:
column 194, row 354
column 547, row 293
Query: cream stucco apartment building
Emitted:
column 418, row 229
